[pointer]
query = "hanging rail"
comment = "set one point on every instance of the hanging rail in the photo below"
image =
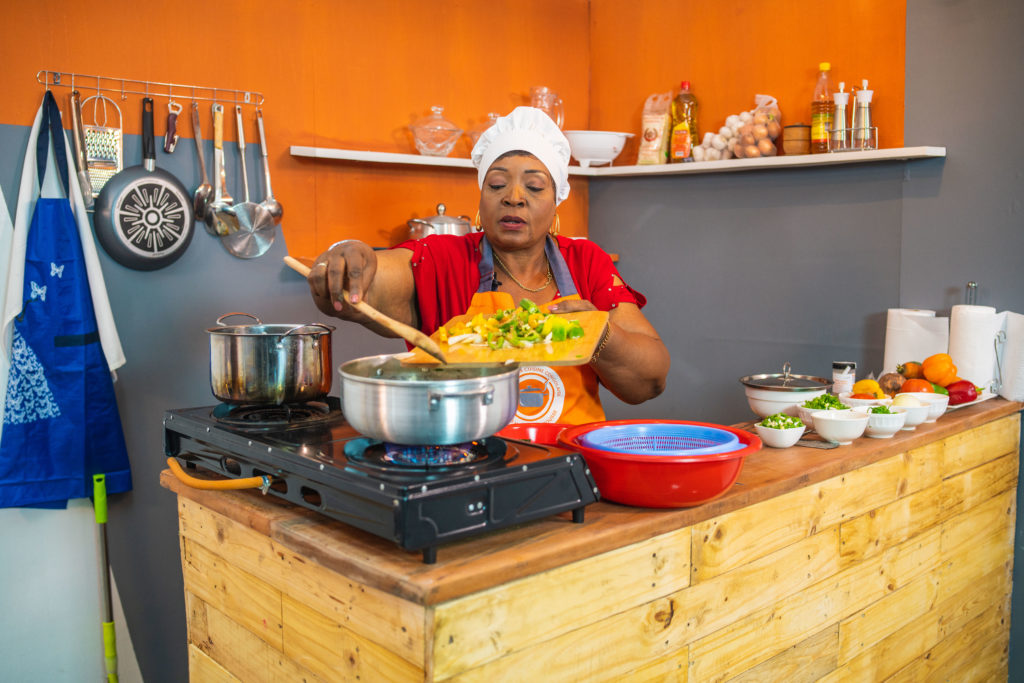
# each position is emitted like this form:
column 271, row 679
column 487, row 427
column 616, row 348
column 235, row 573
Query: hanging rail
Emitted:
column 151, row 88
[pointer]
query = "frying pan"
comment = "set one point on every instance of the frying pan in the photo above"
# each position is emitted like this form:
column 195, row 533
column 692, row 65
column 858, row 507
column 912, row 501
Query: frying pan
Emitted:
column 144, row 217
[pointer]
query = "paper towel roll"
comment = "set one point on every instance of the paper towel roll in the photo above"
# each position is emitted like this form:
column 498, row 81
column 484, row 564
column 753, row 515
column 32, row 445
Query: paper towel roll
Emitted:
column 913, row 334
column 972, row 336
column 1013, row 358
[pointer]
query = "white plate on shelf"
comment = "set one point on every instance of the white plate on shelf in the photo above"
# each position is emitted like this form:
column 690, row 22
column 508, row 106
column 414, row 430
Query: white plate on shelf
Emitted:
column 985, row 395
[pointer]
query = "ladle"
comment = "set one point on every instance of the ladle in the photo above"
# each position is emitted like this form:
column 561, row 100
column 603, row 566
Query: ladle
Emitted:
column 202, row 198
column 254, row 232
column 269, row 202
column 223, row 222
column 406, row 332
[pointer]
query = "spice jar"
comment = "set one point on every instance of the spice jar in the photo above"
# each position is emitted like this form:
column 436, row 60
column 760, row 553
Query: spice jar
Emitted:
column 796, row 139
column 844, row 374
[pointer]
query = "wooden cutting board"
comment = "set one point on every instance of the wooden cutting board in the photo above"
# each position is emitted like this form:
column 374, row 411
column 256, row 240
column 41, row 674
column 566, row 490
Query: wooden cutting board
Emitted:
column 569, row 352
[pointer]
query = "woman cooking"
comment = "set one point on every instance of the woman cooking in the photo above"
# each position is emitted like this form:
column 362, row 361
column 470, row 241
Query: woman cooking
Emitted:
column 522, row 166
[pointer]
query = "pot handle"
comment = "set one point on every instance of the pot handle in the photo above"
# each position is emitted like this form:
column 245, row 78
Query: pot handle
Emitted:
column 228, row 315
column 486, row 396
column 299, row 327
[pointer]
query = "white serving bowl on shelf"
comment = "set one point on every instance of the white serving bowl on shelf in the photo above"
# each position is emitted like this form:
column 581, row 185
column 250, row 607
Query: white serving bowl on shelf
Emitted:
column 857, row 402
column 593, row 147
column 883, row 425
column 937, row 403
column 840, row 426
column 779, row 438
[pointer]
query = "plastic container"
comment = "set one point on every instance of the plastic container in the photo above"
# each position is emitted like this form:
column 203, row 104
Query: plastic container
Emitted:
column 662, row 438
column 683, row 136
column 822, row 109
column 844, row 374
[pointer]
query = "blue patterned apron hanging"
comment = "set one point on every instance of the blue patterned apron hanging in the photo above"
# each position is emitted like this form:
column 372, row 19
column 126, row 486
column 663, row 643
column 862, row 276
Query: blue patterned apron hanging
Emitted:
column 61, row 423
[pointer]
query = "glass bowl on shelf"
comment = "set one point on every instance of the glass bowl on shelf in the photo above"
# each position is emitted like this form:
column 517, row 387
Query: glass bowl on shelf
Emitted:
column 476, row 131
column 435, row 135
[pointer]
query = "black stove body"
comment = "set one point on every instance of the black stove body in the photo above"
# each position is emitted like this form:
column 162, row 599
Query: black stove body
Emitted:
column 318, row 461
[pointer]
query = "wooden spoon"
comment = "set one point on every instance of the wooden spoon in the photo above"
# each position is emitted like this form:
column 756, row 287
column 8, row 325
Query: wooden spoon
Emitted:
column 406, row 332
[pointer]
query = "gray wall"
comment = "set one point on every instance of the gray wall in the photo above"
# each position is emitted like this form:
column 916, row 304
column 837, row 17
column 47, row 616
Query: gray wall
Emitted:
column 743, row 271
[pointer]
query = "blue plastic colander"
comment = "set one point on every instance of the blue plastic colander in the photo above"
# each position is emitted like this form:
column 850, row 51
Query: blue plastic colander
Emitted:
column 661, row 439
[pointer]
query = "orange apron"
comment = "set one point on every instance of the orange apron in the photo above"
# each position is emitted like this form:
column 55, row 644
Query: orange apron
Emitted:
column 562, row 393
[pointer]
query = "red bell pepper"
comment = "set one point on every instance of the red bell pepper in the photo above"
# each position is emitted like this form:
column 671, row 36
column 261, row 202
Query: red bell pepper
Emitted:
column 961, row 392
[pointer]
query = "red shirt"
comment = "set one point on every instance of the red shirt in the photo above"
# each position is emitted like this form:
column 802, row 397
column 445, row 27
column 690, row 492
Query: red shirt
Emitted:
column 446, row 270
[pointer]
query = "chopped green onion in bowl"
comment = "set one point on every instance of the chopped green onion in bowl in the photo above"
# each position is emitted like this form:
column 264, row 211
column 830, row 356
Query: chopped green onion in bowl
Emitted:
column 881, row 410
column 781, row 421
column 825, row 402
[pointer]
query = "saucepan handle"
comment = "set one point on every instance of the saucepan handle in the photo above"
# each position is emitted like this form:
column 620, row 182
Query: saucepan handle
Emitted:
column 486, row 396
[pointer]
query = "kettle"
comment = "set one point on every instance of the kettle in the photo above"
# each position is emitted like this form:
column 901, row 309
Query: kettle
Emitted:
column 439, row 225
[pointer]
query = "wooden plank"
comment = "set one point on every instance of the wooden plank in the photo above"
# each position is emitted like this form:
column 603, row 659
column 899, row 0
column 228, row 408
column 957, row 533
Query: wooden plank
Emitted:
column 871, row 533
column 977, row 542
column 605, row 649
column 569, row 352
column 925, row 468
column 202, row 669
column 734, row 539
column 487, row 625
column 957, row 609
column 966, row 490
column 333, row 652
column 747, row 642
column 967, row 645
column 976, row 446
column 236, row 649
column 808, row 660
column 894, row 611
column 253, row 603
column 373, row 614
column 668, row 669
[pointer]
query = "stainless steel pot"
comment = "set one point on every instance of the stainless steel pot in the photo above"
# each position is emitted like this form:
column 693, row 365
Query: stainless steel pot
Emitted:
column 269, row 364
column 440, row 224
column 432, row 405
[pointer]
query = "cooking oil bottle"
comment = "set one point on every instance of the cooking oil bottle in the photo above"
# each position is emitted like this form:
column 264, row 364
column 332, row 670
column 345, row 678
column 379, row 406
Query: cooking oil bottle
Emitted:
column 822, row 110
column 684, row 125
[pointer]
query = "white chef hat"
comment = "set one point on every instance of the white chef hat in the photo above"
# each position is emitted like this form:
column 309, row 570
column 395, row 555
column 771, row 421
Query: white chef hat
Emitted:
column 530, row 130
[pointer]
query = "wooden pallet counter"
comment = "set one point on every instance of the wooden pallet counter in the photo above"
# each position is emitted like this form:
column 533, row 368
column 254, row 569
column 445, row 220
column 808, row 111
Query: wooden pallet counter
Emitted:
column 886, row 558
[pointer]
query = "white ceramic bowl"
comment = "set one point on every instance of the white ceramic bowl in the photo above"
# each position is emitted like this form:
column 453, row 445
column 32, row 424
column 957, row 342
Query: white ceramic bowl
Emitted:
column 765, row 402
column 779, row 438
column 807, row 415
column 840, row 426
column 937, row 403
column 882, row 425
column 855, row 402
column 915, row 415
column 592, row 147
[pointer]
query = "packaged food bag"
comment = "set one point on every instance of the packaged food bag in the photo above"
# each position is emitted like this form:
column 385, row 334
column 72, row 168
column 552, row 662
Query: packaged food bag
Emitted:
column 654, row 128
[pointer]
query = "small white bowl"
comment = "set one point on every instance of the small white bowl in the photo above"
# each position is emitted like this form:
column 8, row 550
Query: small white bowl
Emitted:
column 937, row 403
column 592, row 147
column 807, row 414
column 779, row 438
column 915, row 415
column 855, row 402
column 840, row 426
column 882, row 425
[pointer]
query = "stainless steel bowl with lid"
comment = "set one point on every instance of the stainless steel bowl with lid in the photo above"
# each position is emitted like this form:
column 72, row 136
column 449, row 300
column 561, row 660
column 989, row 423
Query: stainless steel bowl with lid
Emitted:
column 441, row 224
column 770, row 393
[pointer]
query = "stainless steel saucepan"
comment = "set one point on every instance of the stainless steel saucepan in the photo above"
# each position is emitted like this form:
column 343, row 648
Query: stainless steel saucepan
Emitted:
column 427, row 405
column 269, row 364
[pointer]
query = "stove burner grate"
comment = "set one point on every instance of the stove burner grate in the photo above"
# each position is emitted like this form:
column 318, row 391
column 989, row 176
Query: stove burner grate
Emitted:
column 420, row 456
column 405, row 458
column 271, row 415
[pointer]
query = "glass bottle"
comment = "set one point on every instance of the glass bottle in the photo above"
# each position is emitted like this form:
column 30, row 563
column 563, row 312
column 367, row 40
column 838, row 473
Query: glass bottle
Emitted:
column 684, row 125
column 822, row 109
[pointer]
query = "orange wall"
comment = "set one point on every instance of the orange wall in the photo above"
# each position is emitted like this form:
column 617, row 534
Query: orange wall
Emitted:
column 353, row 74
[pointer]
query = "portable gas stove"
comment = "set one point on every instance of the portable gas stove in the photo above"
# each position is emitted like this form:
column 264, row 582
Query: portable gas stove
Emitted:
column 417, row 496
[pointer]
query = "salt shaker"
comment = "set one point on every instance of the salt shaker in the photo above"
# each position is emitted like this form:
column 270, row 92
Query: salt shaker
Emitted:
column 863, row 137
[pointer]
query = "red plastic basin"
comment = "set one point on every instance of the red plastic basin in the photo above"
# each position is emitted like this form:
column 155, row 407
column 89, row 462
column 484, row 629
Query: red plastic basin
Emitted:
column 542, row 433
column 661, row 481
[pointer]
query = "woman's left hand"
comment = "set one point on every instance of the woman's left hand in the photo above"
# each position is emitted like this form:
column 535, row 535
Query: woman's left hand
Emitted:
column 571, row 306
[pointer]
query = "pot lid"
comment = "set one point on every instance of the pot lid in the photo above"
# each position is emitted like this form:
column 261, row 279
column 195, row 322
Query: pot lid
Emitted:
column 785, row 381
column 443, row 219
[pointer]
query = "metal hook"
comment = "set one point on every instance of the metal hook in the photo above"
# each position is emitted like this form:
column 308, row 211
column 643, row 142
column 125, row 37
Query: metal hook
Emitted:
column 123, row 96
column 997, row 383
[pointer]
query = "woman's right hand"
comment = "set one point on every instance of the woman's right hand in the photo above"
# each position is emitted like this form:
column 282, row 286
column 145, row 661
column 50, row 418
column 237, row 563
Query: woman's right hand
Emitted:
column 347, row 265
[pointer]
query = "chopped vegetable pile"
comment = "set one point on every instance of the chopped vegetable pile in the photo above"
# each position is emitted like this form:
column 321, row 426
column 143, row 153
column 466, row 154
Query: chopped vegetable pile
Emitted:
column 881, row 410
column 825, row 402
column 781, row 421
column 519, row 327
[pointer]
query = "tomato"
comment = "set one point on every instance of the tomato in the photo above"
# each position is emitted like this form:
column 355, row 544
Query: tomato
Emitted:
column 863, row 395
column 917, row 385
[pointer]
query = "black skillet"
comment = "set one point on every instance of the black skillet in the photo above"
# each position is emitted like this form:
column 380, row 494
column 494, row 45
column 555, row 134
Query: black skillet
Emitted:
column 144, row 217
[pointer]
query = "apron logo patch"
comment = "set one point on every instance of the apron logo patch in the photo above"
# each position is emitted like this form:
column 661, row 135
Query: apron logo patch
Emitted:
column 56, row 270
column 541, row 395
column 37, row 291
column 29, row 398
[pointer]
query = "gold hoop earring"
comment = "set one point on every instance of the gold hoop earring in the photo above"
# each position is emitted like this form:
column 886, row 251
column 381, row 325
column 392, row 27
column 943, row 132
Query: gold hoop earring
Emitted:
column 476, row 222
column 556, row 227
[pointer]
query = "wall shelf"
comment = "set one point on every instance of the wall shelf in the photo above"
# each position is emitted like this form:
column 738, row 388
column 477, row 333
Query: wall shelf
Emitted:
column 725, row 166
